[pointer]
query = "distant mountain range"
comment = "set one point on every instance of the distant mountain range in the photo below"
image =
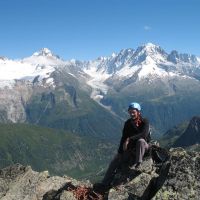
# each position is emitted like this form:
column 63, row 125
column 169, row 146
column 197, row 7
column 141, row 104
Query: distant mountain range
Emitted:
column 45, row 90
column 92, row 96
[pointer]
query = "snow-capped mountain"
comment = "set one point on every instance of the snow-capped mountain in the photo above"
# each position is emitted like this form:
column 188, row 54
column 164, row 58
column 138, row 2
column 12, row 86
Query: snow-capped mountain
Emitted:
column 175, row 57
column 149, row 75
column 149, row 58
column 146, row 61
column 27, row 69
column 39, row 66
column 157, row 79
column 44, row 57
column 45, row 52
column 149, row 61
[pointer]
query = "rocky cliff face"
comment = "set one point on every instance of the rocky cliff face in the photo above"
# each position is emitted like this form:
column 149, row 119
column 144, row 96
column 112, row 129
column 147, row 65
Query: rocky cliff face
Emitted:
column 177, row 178
column 13, row 101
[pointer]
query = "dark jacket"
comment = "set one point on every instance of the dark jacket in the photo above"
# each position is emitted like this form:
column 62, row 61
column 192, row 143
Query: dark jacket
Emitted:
column 130, row 129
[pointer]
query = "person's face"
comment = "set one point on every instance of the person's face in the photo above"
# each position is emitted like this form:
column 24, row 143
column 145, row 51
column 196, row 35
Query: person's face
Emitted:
column 134, row 114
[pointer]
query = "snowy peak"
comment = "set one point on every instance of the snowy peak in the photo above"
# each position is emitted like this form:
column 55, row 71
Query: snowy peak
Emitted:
column 41, row 64
column 11, row 70
column 113, row 63
column 149, row 47
column 128, row 61
column 149, row 61
column 2, row 58
column 44, row 57
column 175, row 57
column 45, row 52
column 125, row 55
column 149, row 50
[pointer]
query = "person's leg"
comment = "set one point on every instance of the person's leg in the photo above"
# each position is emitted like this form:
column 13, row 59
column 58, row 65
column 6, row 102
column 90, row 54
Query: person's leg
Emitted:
column 141, row 147
column 109, row 175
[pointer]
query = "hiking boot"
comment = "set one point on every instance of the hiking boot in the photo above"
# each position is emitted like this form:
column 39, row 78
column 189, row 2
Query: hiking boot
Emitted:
column 135, row 166
column 132, row 167
column 138, row 167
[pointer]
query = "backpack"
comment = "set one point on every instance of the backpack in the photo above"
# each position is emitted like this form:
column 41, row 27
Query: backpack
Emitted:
column 148, row 139
column 159, row 154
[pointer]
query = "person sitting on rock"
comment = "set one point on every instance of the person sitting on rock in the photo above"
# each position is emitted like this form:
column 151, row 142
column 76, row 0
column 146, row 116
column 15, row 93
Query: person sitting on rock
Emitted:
column 133, row 142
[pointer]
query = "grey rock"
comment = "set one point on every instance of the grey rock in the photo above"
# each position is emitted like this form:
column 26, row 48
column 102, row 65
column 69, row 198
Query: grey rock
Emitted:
column 18, row 182
column 67, row 196
column 177, row 178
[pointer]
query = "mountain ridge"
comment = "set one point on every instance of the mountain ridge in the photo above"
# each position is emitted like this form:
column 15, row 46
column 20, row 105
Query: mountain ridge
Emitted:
column 120, row 64
column 191, row 136
column 185, row 135
column 148, row 75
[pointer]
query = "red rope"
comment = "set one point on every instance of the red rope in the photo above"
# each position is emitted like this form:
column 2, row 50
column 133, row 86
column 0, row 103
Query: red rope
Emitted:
column 84, row 193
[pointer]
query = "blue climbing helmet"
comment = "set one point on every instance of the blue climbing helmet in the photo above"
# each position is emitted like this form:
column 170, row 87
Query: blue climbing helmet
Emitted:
column 134, row 105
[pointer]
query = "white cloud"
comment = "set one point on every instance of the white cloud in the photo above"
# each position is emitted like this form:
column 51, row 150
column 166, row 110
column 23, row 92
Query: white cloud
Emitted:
column 147, row 28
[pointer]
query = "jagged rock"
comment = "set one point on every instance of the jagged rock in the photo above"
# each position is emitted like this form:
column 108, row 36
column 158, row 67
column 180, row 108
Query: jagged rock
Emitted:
column 183, row 180
column 18, row 182
column 176, row 178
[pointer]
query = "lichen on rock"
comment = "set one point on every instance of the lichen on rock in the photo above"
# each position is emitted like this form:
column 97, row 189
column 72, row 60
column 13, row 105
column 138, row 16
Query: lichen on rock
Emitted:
column 177, row 178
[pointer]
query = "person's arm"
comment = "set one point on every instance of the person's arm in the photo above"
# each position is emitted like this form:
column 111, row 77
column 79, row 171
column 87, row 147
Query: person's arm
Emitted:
column 123, row 139
column 144, row 133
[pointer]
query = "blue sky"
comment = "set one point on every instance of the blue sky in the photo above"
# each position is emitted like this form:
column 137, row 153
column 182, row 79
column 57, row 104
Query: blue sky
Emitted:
column 86, row 29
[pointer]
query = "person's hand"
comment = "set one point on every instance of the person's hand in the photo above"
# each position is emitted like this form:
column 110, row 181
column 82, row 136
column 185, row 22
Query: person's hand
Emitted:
column 134, row 137
column 125, row 145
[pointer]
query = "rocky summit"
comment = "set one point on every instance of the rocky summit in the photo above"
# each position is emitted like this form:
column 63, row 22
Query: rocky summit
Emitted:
column 176, row 178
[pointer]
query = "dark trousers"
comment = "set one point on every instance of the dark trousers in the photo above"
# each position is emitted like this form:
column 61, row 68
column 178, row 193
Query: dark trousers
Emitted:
column 127, row 157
